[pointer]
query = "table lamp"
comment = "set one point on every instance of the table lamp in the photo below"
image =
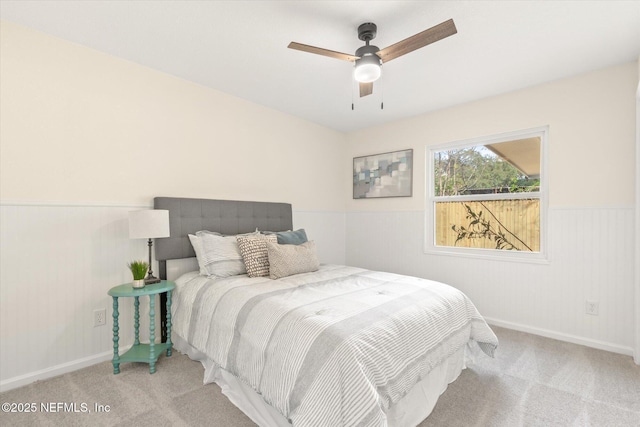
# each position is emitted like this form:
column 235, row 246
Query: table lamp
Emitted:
column 148, row 224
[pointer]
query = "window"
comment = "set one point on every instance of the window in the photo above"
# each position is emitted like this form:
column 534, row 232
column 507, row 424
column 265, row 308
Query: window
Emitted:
column 487, row 196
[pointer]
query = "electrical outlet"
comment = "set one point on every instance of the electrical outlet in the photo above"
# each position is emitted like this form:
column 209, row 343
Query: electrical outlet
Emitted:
column 99, row 317
column 592, row 308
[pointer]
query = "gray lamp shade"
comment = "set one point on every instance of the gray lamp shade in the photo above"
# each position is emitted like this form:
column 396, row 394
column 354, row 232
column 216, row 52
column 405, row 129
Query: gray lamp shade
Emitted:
column 148, row 224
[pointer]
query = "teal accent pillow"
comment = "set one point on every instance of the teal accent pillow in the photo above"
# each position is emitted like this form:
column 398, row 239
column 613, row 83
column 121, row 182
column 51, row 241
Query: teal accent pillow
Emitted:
column 297, row 237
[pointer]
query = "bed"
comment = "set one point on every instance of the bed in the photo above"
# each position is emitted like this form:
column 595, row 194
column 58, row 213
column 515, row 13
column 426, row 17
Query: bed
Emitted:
column 335, row 345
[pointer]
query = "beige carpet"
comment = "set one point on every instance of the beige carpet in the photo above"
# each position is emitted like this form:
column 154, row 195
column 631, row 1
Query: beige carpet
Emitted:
column 533, row 381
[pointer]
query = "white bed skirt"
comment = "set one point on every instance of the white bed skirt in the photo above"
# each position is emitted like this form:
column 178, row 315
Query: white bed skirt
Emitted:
column 410, row 411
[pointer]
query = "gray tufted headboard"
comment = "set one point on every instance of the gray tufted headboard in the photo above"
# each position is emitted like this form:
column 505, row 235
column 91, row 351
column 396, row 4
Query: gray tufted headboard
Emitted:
column 187, row 216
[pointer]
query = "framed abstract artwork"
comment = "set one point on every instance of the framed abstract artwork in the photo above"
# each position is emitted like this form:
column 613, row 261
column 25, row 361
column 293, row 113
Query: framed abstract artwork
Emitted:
column 383, row 175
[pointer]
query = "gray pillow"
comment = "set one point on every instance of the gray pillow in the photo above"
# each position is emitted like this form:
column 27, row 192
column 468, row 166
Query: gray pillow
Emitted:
column 297, row 237
column 287, row 260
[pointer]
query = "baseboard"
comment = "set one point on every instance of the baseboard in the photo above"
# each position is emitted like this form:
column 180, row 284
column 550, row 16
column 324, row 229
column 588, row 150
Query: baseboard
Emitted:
column 54, row 371
column 574, row 339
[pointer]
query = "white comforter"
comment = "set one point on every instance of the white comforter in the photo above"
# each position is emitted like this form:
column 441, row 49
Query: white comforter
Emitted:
column 332, row 348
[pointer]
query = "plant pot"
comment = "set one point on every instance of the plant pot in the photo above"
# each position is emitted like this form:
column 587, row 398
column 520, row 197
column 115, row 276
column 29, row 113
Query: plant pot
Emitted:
column 138, row 284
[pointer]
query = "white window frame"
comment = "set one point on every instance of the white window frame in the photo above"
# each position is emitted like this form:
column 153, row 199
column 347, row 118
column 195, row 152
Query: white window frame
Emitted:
column 496, row 254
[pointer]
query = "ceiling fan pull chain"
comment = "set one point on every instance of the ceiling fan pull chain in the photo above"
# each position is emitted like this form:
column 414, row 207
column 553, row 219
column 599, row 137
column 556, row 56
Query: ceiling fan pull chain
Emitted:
column 352, row 106
column 381, row 94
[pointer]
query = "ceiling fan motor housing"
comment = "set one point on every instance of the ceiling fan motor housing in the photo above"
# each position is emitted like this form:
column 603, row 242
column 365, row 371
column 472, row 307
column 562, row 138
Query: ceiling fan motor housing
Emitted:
column 367, row 68
column 367, row 50
column 367, row 31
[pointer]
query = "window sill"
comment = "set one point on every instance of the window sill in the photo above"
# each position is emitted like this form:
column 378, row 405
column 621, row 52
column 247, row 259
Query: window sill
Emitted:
column 491, row 255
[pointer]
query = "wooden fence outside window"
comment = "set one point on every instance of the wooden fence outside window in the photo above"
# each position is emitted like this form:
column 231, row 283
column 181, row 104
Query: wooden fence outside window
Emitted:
column 520, row 217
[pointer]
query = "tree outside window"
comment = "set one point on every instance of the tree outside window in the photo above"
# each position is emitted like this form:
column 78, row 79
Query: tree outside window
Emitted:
column 487, row 194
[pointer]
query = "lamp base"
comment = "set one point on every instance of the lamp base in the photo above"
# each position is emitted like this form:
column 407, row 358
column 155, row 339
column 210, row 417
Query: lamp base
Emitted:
column 151, row 280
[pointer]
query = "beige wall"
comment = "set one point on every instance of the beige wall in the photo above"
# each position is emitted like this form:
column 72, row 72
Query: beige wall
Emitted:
column 591, row 137
column 86, row 137
column 591, row 119
column 82, row 126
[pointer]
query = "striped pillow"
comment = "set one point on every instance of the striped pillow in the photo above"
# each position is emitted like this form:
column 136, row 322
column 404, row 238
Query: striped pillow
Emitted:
column 218, row 256
column 253, row 249
column 195, row 242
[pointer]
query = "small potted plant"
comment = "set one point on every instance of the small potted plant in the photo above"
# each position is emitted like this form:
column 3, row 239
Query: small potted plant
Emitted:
column 139, row 270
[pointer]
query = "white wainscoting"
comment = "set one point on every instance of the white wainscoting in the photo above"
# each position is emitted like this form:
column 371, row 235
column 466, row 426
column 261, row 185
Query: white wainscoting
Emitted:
column 328, row 230
column 57, row 263
column 591, row 258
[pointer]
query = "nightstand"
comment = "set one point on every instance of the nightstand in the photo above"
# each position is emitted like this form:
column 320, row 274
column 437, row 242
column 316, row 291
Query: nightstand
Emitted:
column 147, row 353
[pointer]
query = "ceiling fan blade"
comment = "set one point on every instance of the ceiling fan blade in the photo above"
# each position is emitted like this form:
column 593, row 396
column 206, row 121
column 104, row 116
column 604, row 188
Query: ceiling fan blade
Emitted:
column 366, row 89
column 321, row 51
column 432, row 35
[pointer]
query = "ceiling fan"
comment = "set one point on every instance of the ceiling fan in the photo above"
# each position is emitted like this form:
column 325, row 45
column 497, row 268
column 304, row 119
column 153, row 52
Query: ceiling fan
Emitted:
column 368, row 58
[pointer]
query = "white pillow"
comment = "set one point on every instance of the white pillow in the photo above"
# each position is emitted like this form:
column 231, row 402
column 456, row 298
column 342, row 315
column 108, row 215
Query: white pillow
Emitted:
column 197, row 247
column 218, row 256
column 287, row 260
column 195, row 242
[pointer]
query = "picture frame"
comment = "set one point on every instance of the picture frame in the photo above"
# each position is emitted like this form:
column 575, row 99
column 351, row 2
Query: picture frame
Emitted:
column 383, row 175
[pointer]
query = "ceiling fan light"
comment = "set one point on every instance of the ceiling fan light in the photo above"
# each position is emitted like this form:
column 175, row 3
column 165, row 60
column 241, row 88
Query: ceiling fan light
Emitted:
column 368, row 69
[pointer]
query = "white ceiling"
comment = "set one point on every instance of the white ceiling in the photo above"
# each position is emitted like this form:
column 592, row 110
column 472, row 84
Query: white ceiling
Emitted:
column 240, row 47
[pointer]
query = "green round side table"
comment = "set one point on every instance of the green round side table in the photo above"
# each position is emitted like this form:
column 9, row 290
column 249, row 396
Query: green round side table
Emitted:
column 147, row 353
